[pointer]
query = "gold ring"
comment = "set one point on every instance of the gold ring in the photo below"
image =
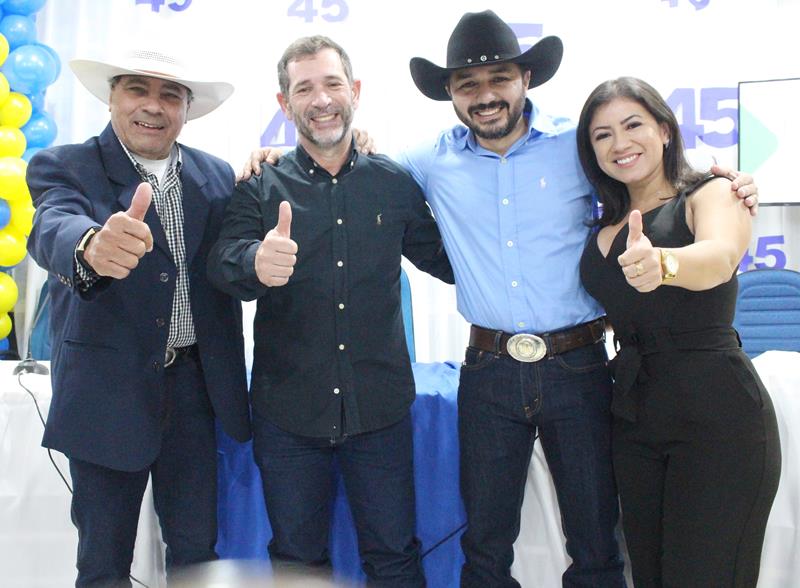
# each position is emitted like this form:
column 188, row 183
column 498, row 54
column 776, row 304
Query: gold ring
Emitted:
column 639, row 269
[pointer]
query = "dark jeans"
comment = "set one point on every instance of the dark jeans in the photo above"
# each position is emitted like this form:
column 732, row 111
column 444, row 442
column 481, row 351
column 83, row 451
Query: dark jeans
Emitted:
column 106, row 502
column 378, row 472
column 502, row 403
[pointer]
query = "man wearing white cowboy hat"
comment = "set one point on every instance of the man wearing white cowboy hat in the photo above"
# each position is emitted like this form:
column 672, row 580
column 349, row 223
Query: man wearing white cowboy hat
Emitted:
column 145, row 351
column 514, row 209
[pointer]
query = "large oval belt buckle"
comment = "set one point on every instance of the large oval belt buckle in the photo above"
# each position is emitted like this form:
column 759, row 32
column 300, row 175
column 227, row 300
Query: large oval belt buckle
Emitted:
column 527, row 348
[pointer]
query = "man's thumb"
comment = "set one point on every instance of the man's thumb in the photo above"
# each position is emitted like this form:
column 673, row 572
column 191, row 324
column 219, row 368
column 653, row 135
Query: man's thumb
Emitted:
column 634, row 227
column 141, row 201
column 284, row 226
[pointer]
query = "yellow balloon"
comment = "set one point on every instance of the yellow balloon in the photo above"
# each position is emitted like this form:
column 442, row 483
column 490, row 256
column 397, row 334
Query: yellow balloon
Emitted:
column 21, row 220
column 5, row 89
column 5, row 325
column 12, row 179
column 12, row 142
column 8, row 293
column 16, row 110
column 12, row 248
column 3, row 48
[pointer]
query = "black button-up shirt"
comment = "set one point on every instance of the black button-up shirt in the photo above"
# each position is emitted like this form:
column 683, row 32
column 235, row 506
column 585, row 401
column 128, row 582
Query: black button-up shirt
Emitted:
column 330, row 355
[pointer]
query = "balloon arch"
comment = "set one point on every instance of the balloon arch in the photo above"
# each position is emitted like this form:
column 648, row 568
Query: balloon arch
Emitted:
column 27, row 68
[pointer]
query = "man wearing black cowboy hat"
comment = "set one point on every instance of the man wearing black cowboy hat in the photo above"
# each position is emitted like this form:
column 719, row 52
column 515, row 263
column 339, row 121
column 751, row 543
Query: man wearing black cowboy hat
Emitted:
column 508, row 191
column 146, row 353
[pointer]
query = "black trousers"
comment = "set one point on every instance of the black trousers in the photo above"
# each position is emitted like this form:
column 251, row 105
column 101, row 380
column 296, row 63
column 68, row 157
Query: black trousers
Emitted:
column 698, row 471
column 106, row 502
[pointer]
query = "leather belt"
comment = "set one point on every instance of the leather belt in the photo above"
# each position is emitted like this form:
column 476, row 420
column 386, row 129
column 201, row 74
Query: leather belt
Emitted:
column 527, row 348
column 173, row 354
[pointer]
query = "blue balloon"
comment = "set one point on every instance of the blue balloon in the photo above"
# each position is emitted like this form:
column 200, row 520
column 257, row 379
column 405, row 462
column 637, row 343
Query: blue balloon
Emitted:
column 37, row 101
column 40, row 130
column 54, row 55
column 5, row 213
column 29, row 69
column 4, row 344
column 22, row 6
column 30, row 152
column 18, row 30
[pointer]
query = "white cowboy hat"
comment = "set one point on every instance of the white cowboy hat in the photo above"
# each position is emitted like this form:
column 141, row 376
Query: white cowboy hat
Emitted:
column 97, row 76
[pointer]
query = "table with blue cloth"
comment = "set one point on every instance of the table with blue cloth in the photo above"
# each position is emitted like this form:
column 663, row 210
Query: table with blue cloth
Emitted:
column 244, row 530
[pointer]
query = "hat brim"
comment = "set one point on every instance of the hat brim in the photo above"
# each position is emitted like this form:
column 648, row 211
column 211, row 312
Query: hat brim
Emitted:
column 543, row 60
column 96, row 76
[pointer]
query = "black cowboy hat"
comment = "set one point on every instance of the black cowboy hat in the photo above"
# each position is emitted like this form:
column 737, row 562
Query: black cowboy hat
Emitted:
column 481, row 38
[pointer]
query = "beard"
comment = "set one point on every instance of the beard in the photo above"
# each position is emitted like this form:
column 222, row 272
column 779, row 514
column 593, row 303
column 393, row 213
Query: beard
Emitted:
column 330, row 137
column 496, row 130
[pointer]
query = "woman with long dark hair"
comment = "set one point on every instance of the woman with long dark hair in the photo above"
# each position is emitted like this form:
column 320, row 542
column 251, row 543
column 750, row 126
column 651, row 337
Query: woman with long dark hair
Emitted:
column 695, row 441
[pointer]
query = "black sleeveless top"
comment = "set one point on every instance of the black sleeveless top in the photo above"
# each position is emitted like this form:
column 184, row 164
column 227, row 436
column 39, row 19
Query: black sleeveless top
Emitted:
column 666, row 319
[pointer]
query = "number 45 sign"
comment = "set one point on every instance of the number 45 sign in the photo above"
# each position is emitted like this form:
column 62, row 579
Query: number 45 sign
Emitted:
column 768, row 247
column 155, row 5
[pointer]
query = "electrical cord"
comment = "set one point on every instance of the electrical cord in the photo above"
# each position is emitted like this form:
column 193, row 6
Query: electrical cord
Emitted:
column 50, row 453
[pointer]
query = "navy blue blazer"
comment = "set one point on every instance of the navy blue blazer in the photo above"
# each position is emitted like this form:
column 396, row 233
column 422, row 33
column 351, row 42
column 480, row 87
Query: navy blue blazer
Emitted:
column 108, row 343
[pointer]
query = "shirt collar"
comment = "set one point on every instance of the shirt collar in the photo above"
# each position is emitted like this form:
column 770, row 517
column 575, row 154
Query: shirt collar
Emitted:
column 175, row 159
column 538, row 124
column 312, row 168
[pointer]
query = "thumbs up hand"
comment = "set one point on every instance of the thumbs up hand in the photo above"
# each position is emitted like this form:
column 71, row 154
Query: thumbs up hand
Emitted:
column 123, row 240
column 641, row 262
column 275, row 258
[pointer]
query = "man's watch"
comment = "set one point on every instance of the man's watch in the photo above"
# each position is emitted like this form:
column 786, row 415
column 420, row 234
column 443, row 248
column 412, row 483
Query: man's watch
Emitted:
column 669, row 265
column 81, row 248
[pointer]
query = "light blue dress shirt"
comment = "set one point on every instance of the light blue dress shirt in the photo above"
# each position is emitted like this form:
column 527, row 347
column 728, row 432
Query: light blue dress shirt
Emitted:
column 514, row 226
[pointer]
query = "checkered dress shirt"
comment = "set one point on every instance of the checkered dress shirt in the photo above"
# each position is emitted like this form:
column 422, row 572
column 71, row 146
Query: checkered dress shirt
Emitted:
column 168, row 200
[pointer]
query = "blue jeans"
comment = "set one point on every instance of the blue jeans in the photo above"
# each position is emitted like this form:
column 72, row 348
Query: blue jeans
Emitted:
column 502, row 403
column 378, row 472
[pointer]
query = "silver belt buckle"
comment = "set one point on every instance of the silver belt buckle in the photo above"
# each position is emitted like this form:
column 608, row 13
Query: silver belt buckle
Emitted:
column 169, row 357
column 526, row 348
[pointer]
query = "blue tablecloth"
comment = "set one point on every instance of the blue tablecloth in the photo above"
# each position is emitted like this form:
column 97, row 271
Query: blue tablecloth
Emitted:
column 244, row 530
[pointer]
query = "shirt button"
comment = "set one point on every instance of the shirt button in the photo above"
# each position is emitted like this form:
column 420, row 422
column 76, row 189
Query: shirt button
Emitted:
column 341, row 306
column 510, row 243
column 163, row 276
column 503, row 160
column 341, row 347
column 334, row 181
column 340, row 263
column 339, row 221
column 520, row 324
column 514, row 284
column 336, row 390
column 505, row 201
column 160, row 322
column 311, row 171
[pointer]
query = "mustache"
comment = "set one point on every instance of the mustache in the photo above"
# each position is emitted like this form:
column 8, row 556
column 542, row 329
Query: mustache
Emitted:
column 488, row 106
column 314, row 112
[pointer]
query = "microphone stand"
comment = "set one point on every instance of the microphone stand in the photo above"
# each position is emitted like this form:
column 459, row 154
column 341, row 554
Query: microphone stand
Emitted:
column 30, row 365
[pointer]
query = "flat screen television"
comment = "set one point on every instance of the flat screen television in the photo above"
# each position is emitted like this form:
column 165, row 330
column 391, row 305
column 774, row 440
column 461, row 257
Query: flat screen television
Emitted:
column 769, row 138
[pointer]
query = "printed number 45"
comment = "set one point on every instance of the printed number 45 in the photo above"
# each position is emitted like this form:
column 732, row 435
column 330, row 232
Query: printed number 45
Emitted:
column 682, row 101
column 305, row 9
column 767, row 246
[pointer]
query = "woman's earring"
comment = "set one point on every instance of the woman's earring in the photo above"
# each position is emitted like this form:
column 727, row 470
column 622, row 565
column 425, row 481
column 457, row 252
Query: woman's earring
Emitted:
column 666, row 145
